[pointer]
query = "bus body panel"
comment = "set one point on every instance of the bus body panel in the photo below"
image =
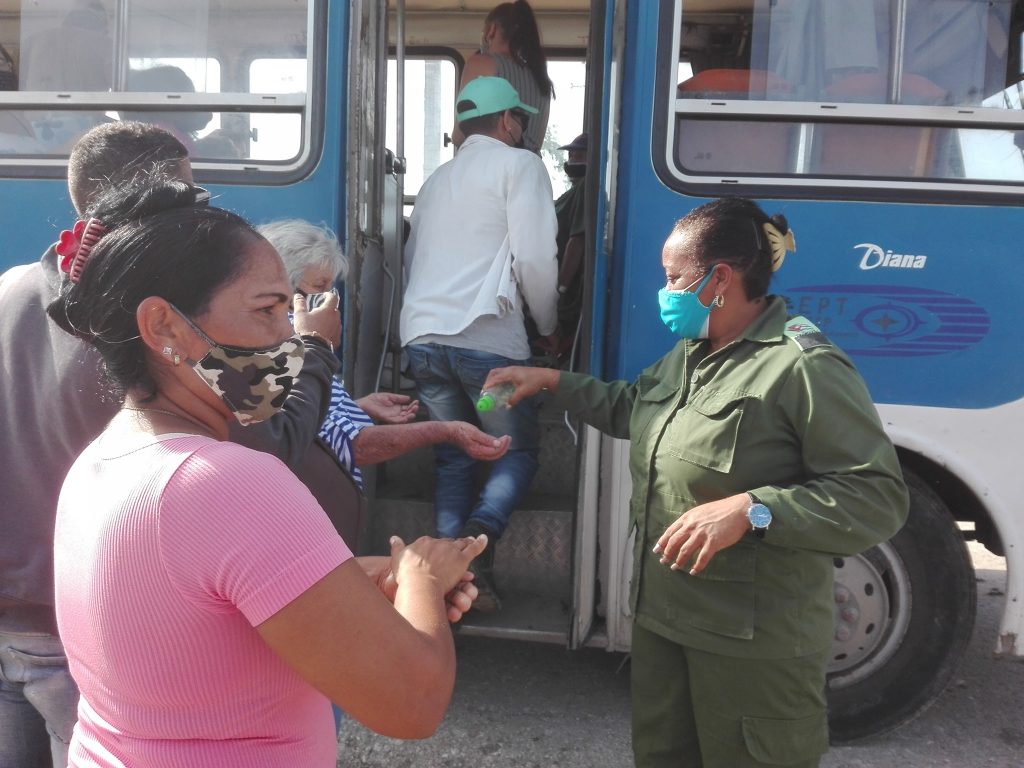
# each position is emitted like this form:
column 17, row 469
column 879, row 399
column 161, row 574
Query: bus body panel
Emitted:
column 923, row 297
column 972, row 445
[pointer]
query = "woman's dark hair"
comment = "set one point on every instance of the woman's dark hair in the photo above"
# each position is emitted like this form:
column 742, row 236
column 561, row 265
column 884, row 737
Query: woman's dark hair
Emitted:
column 159, row 241
column 519, row 26
column 731, row 231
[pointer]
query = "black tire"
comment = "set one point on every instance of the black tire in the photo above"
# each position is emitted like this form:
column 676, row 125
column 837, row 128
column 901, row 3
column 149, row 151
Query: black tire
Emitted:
column 904, row 614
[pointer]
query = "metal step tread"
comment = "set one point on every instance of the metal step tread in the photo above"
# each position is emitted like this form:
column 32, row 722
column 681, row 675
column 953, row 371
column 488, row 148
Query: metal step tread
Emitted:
column 533, row 555
column 524, row 615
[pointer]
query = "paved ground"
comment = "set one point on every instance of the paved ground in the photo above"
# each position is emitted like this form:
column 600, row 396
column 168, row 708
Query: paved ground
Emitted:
column 521, row 705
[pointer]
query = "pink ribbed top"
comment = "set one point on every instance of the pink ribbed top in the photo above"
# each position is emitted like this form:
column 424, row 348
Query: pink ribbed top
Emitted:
column 168, row 552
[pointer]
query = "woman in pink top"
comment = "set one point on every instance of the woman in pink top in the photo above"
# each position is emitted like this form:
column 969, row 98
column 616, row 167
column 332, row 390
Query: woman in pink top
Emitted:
column 208, row 608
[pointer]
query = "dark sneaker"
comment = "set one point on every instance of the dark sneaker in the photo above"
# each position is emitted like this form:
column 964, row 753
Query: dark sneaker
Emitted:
column 482, row 568
column 487, row 601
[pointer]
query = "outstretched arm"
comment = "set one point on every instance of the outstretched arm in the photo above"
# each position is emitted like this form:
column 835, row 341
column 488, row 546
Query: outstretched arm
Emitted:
column 382, row 442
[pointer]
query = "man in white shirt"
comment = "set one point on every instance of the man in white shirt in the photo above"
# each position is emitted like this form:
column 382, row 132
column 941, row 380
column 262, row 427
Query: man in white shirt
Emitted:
column 482, row 243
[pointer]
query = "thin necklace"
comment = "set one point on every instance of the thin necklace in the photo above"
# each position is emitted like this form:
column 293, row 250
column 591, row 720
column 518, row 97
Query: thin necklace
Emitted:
column 179, row 416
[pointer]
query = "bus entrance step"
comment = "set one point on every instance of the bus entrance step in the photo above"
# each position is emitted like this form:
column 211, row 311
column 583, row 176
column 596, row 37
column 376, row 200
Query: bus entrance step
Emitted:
column 533, row 556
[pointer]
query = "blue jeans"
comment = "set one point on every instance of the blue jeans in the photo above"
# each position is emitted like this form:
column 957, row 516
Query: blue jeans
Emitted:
column 38, row 698
column 449, row 380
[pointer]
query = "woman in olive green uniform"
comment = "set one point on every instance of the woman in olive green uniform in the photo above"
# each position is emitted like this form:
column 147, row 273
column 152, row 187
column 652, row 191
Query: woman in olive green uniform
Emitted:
column 756, row 456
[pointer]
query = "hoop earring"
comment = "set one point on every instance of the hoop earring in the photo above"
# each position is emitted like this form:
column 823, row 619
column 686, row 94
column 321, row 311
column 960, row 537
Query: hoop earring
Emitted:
column 719, row 301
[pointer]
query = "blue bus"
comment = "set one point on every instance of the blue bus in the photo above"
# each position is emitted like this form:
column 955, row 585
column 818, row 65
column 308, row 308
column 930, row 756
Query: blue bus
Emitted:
column 889, row 132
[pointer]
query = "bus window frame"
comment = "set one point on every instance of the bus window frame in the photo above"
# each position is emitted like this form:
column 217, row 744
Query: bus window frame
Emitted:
column 309, row 107
column 668, row 108
column 424, row 52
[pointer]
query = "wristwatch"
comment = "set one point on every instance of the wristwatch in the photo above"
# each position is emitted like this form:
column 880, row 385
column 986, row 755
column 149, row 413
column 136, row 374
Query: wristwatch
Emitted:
column 759, row 515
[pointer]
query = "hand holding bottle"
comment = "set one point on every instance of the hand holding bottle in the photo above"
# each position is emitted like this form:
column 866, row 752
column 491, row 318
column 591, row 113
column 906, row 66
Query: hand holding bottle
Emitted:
column 524, row 380
column 492, row 398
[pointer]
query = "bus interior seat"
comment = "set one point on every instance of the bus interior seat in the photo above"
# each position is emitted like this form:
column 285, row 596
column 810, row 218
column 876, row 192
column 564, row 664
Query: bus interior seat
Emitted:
column 735, row 147
column 905, row 151
column 734, row 84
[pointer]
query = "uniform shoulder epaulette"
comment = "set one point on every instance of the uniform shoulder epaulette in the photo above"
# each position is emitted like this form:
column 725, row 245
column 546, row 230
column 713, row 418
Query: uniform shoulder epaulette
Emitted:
column 804, row 333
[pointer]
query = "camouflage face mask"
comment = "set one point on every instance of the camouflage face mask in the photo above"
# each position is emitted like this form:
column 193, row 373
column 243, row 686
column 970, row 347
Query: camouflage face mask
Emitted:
column 253, row 383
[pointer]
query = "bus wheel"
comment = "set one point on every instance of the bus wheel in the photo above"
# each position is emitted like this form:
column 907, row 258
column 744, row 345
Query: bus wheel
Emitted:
column 904, row 614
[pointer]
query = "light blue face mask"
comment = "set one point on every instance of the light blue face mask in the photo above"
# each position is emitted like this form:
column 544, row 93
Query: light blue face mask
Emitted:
column 682, row 311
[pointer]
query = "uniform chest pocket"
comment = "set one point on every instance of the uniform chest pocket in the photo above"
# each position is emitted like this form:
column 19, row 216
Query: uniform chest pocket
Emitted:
column 706, row 430
column 652, row 395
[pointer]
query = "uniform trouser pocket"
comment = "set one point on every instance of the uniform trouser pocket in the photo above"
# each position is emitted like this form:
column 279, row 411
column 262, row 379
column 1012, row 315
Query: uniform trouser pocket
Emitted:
column 701, row 709
column 786, row 742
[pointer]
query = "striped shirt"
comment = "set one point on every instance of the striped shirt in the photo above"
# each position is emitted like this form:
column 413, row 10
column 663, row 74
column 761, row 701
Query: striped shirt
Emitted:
column 523, row 81
column 343, row 423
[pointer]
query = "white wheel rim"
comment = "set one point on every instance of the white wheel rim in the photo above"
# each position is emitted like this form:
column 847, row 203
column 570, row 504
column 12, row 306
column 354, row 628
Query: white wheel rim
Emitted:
column 873, row 600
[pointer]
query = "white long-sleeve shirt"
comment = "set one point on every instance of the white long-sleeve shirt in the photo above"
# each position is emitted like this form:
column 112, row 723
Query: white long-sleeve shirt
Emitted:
column 482, row 242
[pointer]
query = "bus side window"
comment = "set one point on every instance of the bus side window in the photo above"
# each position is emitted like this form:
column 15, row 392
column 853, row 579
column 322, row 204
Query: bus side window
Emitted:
column 878, row 150
column 430, row 84
column 71, row 55
column 735, row 146
column 8, row 73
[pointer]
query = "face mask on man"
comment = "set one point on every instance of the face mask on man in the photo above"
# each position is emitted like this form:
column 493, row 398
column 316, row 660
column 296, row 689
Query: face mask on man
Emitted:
column 253, row 383
column 575, row 170
column 682, row 311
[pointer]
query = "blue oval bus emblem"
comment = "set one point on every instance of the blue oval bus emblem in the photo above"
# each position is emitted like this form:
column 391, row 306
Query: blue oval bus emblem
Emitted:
column 891, row 320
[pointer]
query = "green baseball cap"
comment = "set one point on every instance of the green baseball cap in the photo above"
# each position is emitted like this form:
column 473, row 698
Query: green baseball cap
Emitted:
column 487, row 95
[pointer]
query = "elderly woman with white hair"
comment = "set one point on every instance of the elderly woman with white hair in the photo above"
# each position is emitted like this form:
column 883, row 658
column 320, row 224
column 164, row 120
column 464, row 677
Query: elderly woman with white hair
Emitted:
column 311, row 254
column 315, row 261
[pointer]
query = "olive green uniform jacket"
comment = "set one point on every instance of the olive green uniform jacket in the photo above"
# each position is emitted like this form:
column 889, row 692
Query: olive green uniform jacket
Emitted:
column 783, row 414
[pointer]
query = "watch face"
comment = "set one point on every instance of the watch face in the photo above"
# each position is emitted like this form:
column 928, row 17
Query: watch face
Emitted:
column 759, row 515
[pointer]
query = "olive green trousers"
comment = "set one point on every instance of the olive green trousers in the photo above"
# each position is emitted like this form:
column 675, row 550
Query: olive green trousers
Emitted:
column 693, row 709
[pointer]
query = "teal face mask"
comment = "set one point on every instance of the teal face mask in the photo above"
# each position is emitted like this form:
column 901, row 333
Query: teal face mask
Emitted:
column 682, row 311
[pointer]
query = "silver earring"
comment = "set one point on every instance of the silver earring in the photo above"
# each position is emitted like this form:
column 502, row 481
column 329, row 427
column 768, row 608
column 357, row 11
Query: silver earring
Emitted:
column 719, row 300
column 177, row 359
column 167, row 351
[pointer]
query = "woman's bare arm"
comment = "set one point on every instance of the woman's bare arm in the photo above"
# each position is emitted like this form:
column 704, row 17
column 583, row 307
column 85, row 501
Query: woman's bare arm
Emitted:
column 381, row 442
column 391, row 667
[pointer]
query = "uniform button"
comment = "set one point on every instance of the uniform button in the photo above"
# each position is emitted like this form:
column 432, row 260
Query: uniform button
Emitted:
column 693, row 379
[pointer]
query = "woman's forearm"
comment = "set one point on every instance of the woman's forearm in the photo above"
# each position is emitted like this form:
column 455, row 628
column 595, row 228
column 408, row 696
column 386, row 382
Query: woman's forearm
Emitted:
column 381, row 442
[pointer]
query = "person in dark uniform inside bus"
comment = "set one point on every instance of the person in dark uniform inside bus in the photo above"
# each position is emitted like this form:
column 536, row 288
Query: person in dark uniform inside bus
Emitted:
column 570, row 210
column 756, row 456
